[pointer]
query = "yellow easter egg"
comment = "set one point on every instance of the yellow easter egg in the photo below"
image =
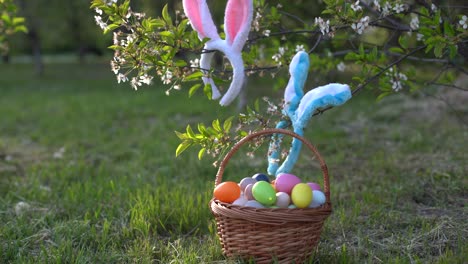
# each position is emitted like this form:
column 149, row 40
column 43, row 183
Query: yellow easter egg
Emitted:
column 301, row 195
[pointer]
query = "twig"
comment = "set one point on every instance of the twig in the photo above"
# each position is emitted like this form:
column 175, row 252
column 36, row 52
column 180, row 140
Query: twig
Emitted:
column 371, row 79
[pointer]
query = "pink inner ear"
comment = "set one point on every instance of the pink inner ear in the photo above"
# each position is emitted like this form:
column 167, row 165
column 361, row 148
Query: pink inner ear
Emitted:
column 236, row 17
column 193, row 10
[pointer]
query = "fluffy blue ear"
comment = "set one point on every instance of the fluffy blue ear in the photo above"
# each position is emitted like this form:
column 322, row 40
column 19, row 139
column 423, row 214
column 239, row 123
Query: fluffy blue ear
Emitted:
column 298, row 69
column 333, row 94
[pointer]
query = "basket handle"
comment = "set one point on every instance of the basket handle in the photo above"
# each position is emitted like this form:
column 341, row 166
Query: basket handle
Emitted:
column 235, row 148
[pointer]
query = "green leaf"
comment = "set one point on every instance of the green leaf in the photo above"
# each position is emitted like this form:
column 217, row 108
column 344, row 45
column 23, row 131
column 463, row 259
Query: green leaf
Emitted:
column 396, row 50
column 207, row 90
column 180, row 63
column 156, row 22
column 201, row 153
column 110, row 28
column 453, row 49
column 382, row 95
column 403, row 41
column 193, row 76
column 193, row 89
column 18, row 20
column 166, row 33
column 190, row 132
column 202, row 130
column 439, row 49
column 228, row 124
column 182, row 147
column 257, row 105
column 216, row 125
column 166, row 16
column 448, row 29
column 182, row 136
column 21, row 28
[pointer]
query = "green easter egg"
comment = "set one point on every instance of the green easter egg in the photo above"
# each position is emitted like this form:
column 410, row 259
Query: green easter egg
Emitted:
column 264, row 193
column 301, row 195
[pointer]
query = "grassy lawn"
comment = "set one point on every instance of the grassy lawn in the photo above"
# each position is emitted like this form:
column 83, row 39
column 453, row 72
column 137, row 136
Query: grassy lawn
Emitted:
column 88, row 174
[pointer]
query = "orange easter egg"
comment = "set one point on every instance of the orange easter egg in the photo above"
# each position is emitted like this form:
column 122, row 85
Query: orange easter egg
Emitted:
column 227, row 192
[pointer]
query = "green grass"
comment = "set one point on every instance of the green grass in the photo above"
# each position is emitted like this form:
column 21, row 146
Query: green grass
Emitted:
column 88, row 174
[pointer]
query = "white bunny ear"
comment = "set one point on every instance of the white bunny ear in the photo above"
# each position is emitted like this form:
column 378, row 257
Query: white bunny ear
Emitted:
column 200, row 17
column 237, row 20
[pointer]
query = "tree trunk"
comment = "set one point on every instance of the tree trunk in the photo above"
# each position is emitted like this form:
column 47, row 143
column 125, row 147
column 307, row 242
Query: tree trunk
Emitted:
column 34, row 39
column 36, row 49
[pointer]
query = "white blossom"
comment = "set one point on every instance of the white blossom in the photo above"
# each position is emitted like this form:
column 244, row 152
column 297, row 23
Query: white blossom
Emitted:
column 98, row 11
column 377, row 5
column 167, row 77
column 100, row 23
column 194, row 63
column 356, row 7
column 396, row 85
column 256, row 21
column 341, row 67
column 146, row 79
column 115, row 38
column 361, row 25
column 277, row 57
column 386, row 9
column 135, row 83
column 115, row 66
column 419, row 36
column 121, row 78
column 110, row 2
column 177, row 87
column 323, row 26
column 396, row 79
column 414, row 24
column 463, row 22
column 266, row 32
column 398, row 8
column 299, row 48
column 433, row 8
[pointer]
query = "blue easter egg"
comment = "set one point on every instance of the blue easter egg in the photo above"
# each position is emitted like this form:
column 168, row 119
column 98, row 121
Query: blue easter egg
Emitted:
column 261, row 177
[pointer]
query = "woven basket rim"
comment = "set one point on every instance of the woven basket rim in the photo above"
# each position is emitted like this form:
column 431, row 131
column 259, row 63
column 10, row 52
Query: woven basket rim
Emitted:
column 271, row 216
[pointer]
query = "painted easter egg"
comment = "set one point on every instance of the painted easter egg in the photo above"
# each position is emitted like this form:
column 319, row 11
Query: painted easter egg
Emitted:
column 240, row 201
column 285, row 182
column 227, row 192
column 318, row 199
column 246, row 181
column 261, row 177
column 248, row 192
column 264, row 193
column 282, row 200
column 253, row 203
column 301, row 195
column 314, row 186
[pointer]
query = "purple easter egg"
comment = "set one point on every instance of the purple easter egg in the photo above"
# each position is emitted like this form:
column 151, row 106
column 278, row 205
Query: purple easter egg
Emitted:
column 314, row 186
column 246, row 181
column 248, row 192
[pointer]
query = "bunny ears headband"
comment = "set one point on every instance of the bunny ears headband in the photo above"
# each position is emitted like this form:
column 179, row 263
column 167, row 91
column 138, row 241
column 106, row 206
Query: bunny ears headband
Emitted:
column 300, row 108
column 237, row 20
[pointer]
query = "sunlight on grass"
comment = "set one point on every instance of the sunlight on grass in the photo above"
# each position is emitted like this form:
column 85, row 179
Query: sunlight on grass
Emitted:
column 88, row 174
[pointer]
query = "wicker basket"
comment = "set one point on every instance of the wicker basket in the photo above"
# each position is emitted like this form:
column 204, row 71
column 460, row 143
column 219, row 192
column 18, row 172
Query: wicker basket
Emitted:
column 281, row 235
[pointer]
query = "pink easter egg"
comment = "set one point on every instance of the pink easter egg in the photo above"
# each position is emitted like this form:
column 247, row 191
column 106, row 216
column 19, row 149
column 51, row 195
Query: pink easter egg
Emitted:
column 285, row 182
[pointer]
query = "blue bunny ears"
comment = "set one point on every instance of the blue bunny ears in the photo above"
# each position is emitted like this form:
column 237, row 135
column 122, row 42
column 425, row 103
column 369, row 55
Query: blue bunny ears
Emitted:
column 300, row 108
